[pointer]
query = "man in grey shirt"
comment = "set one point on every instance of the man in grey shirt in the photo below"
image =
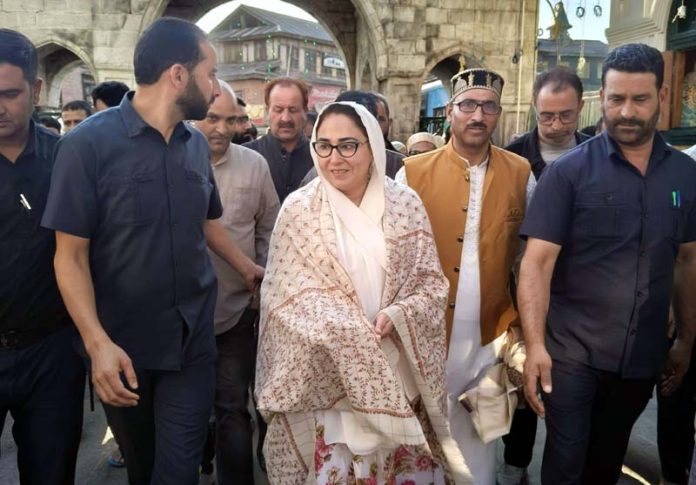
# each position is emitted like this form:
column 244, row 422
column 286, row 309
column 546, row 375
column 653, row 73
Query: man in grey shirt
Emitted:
column 250, row 206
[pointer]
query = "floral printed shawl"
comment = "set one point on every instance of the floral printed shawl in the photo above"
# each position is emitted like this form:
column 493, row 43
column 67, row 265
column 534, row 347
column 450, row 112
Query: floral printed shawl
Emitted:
column 317, row 350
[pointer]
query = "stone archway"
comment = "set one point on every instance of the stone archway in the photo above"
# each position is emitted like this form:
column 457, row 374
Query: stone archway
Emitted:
column 342, row 19
column 57, row 59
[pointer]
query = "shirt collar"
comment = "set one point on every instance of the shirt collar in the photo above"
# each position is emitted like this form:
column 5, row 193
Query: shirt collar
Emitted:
column 135, row 125
column 32, row 141
column 225, row 158
column 660, row 149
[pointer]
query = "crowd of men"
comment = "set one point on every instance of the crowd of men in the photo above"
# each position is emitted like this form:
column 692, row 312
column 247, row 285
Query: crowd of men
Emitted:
column 113, row 237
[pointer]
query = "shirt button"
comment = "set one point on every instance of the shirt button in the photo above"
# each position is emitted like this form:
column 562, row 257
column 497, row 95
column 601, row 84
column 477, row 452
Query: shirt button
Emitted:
column 456, row 269
column 451, row 305
column 460, row 238
column 639, row 294
column 633, row 331
column 465, row 208
column 173, row 224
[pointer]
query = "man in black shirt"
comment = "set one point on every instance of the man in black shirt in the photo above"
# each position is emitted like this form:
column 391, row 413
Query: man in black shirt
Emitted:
column 41, row 376
column 133, row 202
column 611, row 225
column 557, row 96
column 285, row 146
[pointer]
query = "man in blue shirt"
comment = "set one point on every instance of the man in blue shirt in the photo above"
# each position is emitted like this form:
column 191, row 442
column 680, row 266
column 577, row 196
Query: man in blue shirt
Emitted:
column 134, row 203
column 41, row 375
column 611, row 224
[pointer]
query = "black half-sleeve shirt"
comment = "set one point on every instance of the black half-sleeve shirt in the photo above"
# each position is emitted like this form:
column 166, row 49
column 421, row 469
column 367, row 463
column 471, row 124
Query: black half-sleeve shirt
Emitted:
column 620, row 232
column 29, row 297
column 142, row 203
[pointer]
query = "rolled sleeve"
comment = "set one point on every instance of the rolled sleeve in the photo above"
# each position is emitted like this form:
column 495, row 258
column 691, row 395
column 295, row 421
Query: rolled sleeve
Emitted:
column 550, row 209
column 72, row 199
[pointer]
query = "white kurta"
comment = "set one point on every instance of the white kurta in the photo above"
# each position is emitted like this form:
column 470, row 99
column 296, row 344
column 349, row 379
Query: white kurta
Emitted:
column 467, row 360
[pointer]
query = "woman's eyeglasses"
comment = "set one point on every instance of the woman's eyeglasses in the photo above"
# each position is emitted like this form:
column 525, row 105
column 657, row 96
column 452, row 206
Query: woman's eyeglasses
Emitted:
column 346, row 148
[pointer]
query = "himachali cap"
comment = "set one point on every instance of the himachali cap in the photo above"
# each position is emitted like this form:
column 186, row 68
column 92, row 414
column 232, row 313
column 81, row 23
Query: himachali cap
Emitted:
column 477, row 78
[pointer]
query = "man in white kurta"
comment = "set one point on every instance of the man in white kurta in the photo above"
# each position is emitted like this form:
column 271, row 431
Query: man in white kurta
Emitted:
column 473, row 113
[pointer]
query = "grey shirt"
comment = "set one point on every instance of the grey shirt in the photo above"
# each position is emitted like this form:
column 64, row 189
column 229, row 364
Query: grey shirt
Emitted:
column 250, row 206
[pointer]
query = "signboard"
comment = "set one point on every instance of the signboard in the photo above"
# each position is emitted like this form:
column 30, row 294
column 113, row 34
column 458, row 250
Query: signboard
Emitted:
column 334, row 62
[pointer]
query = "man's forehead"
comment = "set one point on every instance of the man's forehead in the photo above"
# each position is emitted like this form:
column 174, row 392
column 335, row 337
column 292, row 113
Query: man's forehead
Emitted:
column 629, row 81
column 224, row 105
column 285, row 94
column 10, row 74
column 74, row 112
column 566, row 96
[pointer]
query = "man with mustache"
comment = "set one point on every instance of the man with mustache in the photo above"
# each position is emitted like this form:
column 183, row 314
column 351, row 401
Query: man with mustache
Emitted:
column 611, row 233
column 134, row 204
column 475, row 195
column 285, row 146
column 557, row 97
column 42, row 378
column 250, row 208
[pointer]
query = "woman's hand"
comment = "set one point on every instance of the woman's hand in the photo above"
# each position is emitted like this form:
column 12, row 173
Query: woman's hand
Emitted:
column 383, row 326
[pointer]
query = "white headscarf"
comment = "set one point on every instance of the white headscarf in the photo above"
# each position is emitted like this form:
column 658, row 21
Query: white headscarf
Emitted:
column 361, row 245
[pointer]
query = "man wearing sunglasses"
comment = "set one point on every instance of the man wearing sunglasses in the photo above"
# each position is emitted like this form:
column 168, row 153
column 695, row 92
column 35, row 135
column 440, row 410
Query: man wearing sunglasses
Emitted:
column 557, row 96
column 476, row 196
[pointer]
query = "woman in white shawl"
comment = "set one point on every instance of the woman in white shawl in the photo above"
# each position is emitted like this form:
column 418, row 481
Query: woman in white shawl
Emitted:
column 350, row 372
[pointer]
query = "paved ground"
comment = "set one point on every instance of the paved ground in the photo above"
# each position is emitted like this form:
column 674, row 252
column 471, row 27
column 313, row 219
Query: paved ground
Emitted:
column 92, row 469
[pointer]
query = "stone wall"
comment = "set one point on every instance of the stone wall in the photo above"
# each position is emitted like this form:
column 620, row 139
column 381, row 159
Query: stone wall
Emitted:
column 388, row 45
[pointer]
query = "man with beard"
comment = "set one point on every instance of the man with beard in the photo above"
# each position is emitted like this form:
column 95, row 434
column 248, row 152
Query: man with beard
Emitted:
column 557, row 96
column 611, row 225
column 285, row 147
column 475, row 195
column 250, row 208
column 133, row 202
column 41, row 376
column 244, row 131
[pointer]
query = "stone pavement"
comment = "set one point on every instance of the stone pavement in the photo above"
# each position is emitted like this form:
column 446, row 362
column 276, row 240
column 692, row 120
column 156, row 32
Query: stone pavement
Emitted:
column 641, row 464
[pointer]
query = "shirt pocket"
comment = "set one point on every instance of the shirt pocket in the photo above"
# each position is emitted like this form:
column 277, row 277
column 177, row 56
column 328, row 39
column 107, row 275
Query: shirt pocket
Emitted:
column 198, row 190
column 239, row 206
column 130, row 200
column 599, row 214
column 674, row 220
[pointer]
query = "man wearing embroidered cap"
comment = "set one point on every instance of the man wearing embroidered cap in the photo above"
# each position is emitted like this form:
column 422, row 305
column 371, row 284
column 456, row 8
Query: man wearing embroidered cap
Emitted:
column 475, row 195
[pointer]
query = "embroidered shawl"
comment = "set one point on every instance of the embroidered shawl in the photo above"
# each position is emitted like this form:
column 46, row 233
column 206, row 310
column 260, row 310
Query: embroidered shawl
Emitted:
column 317, row 349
